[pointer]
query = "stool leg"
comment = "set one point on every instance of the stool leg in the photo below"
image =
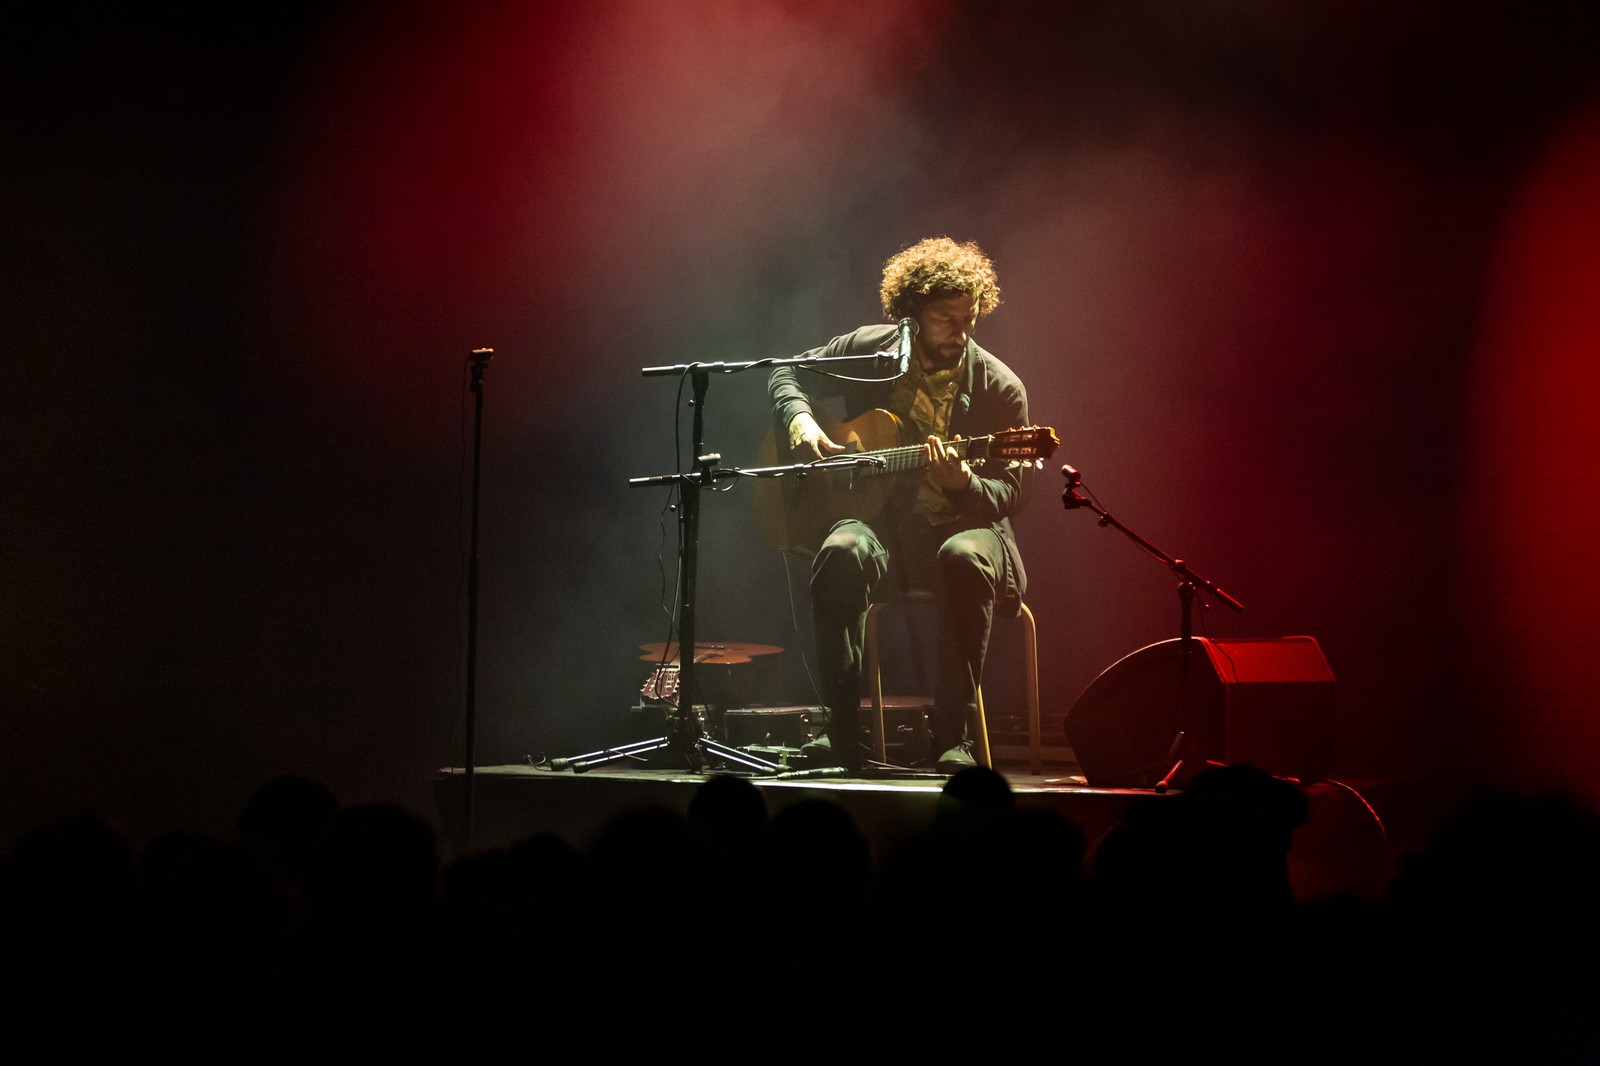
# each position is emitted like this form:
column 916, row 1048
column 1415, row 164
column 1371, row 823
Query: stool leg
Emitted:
column 875, row 683
column 1031, row 658
column 980, row 740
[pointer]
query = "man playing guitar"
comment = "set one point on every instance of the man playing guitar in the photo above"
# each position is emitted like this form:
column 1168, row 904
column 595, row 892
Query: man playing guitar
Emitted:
column 948, row 529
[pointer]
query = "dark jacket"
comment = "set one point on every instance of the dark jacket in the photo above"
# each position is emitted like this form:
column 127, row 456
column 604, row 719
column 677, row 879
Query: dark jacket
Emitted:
column 991, row 399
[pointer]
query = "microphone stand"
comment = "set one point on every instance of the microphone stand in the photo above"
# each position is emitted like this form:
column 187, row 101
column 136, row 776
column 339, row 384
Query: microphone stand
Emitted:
column 685, row 735
column 1185, row 748
column 479, row 359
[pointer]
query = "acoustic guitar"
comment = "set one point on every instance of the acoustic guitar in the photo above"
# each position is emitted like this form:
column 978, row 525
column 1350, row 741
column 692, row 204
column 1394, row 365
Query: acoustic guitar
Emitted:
column 796, row 509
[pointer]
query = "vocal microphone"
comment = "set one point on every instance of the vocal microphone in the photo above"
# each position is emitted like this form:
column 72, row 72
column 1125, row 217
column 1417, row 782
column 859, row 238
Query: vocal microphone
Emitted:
column 1069, row 496
column 908, row 329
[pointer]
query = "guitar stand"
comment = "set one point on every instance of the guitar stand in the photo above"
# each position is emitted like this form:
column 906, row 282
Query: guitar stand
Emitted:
column 1185, row 750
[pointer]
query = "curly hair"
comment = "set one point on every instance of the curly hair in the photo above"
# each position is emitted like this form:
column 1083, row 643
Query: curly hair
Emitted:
column 936, row 269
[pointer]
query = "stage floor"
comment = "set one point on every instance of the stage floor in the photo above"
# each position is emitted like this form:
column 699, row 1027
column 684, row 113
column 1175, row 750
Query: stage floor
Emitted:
column 1350, row 844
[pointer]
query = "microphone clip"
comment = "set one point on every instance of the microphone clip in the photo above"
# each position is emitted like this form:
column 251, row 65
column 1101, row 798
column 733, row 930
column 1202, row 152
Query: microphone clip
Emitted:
column 1070, row 498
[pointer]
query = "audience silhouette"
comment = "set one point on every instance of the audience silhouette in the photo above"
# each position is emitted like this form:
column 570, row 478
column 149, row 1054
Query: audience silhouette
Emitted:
column 325, row 925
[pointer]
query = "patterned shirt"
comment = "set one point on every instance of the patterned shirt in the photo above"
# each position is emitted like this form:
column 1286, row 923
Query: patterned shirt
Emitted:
column 928, row 400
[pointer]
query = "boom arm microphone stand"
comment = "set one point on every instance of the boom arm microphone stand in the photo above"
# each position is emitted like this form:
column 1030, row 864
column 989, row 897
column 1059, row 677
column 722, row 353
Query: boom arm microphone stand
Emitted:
column 1185, row 748
column 685, row 735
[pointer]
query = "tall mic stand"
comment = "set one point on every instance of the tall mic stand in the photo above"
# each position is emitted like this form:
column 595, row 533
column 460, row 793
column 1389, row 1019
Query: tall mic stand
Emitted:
column 479, row 359
column 685, row 735
column 1185, row 749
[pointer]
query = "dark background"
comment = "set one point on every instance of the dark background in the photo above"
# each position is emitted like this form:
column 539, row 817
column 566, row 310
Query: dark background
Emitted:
column 1307, row 291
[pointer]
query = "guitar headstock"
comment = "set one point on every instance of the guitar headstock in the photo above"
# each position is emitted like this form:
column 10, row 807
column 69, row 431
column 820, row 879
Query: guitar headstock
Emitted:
column 1029, row 444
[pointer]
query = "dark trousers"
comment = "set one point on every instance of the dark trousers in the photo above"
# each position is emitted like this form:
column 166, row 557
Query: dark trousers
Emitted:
column 966, row 569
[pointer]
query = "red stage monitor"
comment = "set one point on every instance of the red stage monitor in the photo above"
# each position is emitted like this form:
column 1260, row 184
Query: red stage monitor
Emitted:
column 1264, row 701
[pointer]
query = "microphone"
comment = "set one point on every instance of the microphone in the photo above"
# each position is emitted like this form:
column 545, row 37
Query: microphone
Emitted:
column 908, row 329
column 1069, row 496
column 819, row 771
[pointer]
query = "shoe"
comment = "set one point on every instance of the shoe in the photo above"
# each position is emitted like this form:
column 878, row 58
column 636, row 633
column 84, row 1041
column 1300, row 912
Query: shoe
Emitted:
column 818, row 747
column 957, row 759
column 819, row 751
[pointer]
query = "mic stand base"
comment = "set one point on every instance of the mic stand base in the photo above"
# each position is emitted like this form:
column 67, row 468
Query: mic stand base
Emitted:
column 1172, row 779
column 1178, row 749
column 693, row 748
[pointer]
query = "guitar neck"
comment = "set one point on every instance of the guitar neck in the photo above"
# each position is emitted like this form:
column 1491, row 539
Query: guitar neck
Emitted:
column 914, row 456
column 796, row 512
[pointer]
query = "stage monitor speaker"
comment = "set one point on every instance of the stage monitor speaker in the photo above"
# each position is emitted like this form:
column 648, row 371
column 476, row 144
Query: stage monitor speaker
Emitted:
column 1268, row 702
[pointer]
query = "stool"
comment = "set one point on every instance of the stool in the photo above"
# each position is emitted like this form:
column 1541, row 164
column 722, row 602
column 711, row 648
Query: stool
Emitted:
column 982, row 754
